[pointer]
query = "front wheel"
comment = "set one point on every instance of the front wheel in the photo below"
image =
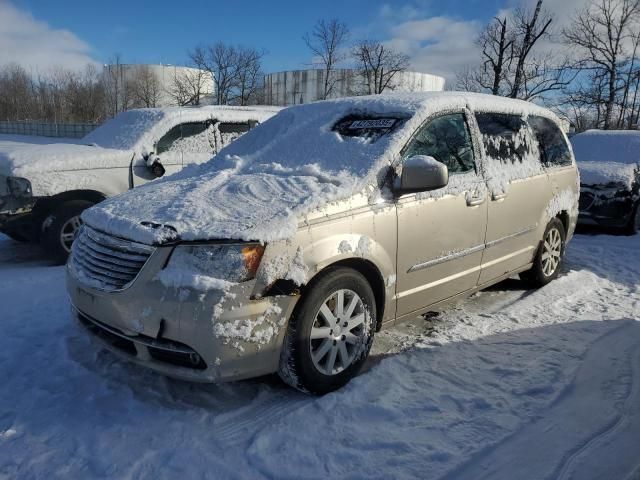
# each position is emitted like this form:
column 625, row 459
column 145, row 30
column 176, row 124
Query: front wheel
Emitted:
column 546, row 264
column 330, row 334
column 61, row 227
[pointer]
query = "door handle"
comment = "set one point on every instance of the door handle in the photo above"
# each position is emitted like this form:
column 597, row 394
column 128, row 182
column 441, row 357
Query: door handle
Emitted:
column 496, row 197
column 475, row 201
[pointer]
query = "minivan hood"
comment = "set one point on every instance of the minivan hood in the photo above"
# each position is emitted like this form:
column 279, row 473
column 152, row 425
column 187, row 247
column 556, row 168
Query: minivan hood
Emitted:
column 26, row 160
column 261, row 206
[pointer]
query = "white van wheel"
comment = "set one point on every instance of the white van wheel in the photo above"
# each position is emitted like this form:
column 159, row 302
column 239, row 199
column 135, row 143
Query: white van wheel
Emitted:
column 61, row 229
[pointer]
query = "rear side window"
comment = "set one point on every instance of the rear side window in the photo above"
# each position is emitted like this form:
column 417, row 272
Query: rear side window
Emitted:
column 448, row 140
column 505, row 137
column 553, row 147
column 232, row 131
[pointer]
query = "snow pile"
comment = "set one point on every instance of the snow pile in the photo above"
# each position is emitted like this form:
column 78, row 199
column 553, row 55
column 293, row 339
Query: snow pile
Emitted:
column 260, row 331
column 285, row 267
column 260, row 187
column 606, row 156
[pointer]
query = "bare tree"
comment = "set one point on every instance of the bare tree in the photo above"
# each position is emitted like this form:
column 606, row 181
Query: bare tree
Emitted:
column 601, row 34
column 249, row 75
column 496, row 42
column 145, row 87
column 378, row 65
column 327, row 41
column 530, row 27
column 221, row 61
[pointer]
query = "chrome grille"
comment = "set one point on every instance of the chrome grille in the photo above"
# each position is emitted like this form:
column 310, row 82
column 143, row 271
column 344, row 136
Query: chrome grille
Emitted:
column 106, row 262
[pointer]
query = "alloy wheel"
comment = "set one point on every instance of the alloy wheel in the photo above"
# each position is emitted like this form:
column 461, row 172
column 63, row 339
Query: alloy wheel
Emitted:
column 338, row 332
column 552, row 252
column 69, row 231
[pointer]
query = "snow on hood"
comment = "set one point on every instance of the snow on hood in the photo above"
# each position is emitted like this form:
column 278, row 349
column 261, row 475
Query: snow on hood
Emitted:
column 606, row 156
column 139, row 129
column 26, row 160
column 263, row 184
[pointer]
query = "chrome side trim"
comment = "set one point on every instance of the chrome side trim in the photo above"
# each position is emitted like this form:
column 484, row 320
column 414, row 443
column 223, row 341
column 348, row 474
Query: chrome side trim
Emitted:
column 468, row 251
column 493, row 243
column 446, row 258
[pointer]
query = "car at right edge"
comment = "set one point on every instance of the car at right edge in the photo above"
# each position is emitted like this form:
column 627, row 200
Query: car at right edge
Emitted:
column 609, row 164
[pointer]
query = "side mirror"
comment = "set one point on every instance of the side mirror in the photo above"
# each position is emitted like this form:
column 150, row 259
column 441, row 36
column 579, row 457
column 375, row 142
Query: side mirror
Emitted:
column 421, row 173
column 154, row 164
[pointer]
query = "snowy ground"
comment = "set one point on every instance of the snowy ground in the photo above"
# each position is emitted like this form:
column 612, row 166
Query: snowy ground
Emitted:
column 509, row 384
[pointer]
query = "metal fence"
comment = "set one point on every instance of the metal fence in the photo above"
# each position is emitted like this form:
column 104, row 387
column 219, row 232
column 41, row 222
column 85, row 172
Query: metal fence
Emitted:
column 68, row 130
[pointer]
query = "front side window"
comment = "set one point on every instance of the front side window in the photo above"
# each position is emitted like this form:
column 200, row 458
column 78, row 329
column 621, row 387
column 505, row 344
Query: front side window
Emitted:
column 168, row 142
column 553, row 147
column 448, row 140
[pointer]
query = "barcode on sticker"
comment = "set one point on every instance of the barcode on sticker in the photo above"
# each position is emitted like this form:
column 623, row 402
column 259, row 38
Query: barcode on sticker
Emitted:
column 377, row 123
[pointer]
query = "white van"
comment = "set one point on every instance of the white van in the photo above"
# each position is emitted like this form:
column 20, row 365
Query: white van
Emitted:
column 45, row 188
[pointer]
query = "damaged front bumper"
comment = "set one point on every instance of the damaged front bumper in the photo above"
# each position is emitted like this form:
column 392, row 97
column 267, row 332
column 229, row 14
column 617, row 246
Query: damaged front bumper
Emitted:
column 608, row 205
column 203, row 336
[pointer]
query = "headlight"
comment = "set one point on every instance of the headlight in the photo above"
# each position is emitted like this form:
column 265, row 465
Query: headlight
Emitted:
column 19, row 187
column 233, row 263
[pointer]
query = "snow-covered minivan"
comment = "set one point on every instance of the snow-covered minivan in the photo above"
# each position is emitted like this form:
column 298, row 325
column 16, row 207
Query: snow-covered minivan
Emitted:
column 45, row 188
column 331, row 220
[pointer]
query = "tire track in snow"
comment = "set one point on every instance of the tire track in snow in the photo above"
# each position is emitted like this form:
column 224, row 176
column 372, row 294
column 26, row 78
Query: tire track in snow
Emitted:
column 613, row 438
column 582, row 418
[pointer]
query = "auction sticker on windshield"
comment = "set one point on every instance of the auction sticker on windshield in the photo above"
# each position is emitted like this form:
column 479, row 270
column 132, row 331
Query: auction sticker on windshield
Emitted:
column 377, row 123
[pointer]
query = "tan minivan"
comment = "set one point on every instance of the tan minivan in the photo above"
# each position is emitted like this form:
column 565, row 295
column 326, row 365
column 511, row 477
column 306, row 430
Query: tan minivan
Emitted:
column 295, row 244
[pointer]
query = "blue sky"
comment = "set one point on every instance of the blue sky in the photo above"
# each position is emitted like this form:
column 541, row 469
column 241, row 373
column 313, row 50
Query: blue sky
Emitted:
column 437, row 35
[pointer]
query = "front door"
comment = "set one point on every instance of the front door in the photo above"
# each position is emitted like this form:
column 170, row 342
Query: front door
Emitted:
column 186, row 143
column 441, row 233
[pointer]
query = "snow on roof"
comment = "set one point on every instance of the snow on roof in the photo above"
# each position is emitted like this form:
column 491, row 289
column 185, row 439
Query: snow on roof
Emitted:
column 260, row 186
column 606, row 156
column 140, row 128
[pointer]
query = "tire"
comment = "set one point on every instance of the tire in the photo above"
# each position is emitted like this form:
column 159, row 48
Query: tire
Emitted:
column 633, row 226
column 327, row 362
column 548, row 260
column 60, row 228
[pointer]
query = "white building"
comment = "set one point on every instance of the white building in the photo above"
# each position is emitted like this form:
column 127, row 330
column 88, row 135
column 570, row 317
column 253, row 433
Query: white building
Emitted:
column 303, row 86
column 128, row 74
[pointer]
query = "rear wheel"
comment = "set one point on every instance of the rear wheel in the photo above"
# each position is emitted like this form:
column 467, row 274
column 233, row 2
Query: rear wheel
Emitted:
column 61, row 228
column 546, row 265
column 330, row 334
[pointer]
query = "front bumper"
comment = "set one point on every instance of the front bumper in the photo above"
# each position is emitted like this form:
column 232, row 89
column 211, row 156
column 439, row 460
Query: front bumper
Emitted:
column 173, row 330
column 606, row 205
